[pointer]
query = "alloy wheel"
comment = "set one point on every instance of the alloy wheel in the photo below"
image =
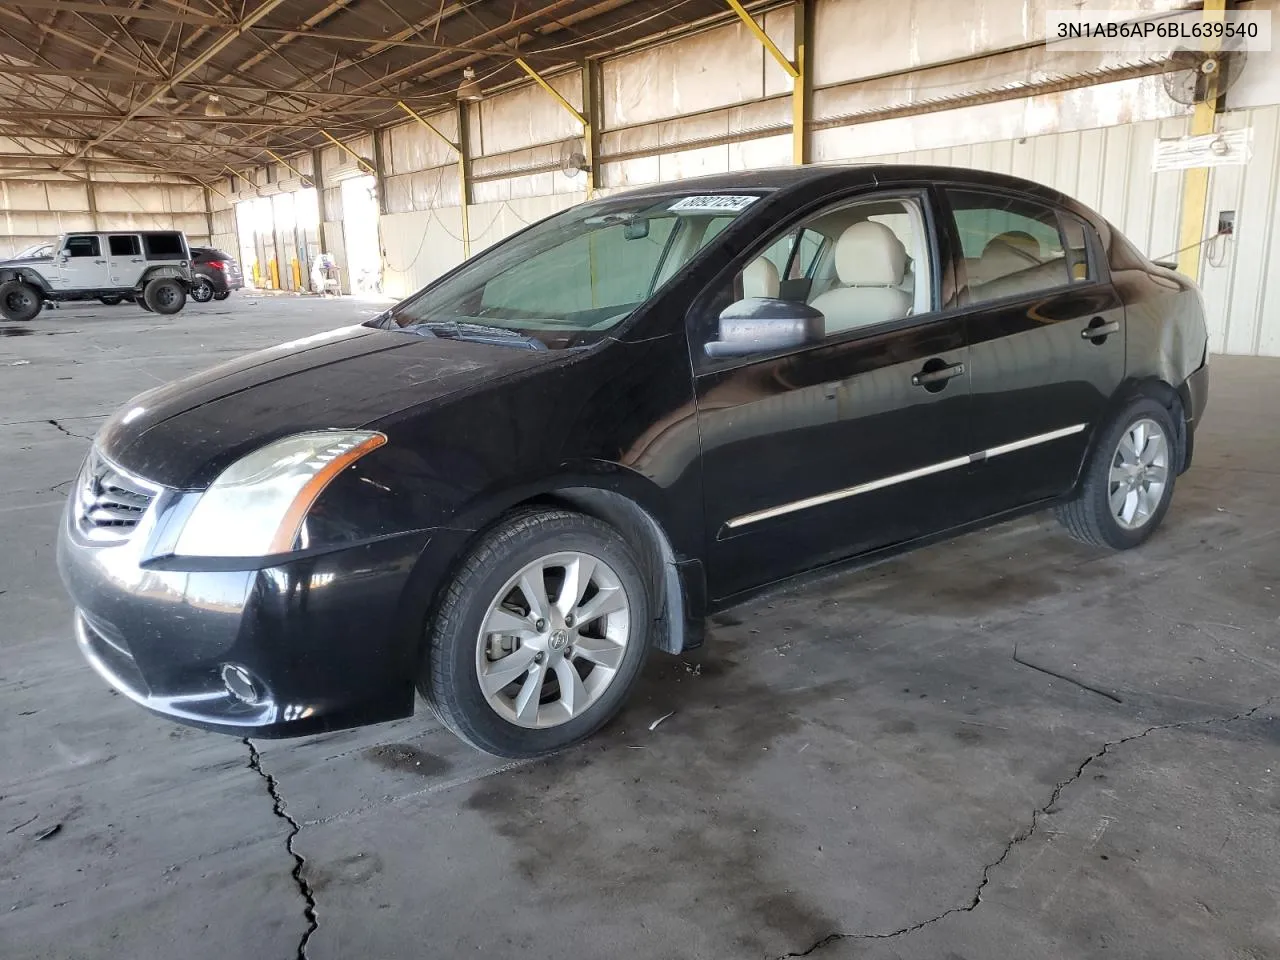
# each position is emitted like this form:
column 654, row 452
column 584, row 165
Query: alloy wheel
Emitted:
column 553, row 639
column 1139, row 473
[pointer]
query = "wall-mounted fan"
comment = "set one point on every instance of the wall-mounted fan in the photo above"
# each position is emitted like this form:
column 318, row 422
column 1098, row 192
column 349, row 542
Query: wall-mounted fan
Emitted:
column 1194, row 76
column 573, row 158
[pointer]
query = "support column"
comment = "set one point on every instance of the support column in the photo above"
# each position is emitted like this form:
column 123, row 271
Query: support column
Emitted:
column 91, row 196
column 208, row 212
column 464, row 176
column 801, row 86
column 593, row 113
column 380, row 173
column 1195, row 183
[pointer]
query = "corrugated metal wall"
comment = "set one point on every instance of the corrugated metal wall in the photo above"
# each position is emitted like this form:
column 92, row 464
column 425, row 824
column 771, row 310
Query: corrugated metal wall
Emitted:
column 34, row 210
column 715, row 102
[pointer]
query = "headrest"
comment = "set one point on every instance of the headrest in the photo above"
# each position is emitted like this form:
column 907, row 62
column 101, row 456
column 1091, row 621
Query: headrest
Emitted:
column 1017, row 239
column 869, row 254
column 760, row 279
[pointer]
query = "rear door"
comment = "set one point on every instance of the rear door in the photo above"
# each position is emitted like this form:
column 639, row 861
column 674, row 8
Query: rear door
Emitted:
column 127, row 263
column 82, row 263
column 1047, row 342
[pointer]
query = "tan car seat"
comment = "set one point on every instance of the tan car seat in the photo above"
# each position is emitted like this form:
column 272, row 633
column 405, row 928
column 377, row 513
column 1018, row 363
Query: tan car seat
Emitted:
column 871, row 265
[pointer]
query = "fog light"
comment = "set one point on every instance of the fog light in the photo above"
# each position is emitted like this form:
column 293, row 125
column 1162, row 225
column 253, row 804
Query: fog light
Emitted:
column 239, row 683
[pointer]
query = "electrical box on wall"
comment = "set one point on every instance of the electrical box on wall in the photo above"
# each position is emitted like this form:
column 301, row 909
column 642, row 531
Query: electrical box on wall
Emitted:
column 1226, row 222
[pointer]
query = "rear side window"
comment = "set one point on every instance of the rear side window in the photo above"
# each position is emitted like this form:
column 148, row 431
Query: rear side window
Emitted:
column 83, row 247
column 124, row 246
column 167, row 246
column 1010, row 246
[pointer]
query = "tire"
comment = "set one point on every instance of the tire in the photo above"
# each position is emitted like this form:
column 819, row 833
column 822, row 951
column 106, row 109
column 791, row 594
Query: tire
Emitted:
column 458, row 649
column 165, row 295
column 201, row 290
column 1115, row 474
column 142, row 302
column 111, row 299
column 19, row 301
column 223, row 295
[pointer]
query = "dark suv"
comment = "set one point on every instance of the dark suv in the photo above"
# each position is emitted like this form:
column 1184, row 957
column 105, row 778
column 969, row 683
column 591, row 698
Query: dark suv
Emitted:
column 215, row 274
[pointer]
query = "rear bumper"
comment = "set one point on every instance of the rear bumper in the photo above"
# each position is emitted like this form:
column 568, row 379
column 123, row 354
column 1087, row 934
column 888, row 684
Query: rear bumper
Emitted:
column 328, row 641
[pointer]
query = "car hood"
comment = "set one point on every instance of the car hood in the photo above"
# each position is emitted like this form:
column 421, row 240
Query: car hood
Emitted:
column 25, row 261
column 185, row 433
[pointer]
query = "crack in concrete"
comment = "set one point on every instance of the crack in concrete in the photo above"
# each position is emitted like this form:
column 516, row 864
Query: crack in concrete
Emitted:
column 278, row 808
column 1022, row 835
column 57, row 425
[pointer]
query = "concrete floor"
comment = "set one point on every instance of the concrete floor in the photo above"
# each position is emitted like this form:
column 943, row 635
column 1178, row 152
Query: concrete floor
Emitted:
column 879, row 766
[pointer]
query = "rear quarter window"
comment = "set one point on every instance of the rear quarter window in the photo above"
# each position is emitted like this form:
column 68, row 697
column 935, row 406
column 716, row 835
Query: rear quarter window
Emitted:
column 167, row 246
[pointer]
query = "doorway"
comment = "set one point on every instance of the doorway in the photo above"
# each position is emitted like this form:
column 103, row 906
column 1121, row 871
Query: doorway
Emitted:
column 360, row 231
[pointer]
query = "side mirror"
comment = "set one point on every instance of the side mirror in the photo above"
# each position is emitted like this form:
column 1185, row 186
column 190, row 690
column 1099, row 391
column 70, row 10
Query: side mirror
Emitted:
column 761, row 325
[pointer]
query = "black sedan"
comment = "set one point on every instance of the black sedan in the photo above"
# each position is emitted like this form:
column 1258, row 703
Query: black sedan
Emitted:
column 508, row 488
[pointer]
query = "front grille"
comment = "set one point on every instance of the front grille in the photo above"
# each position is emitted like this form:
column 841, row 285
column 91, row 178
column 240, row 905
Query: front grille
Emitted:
column 109, row 502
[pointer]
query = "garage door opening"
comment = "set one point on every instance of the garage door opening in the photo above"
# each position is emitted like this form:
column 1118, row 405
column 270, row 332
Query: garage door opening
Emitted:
column 360, row 229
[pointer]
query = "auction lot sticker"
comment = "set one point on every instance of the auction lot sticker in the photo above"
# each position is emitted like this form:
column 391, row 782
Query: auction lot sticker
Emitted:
column 713, row 203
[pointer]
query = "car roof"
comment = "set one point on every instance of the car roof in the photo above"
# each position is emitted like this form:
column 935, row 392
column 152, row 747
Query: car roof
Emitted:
column 844, row 175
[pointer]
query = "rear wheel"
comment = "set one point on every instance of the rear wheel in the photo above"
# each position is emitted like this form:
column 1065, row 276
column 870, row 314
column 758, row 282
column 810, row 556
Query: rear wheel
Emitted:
column 202, row 290
column 165, row 295
column 19, row 301
column 111, row 299
column 540, row 636
column 1128, row 483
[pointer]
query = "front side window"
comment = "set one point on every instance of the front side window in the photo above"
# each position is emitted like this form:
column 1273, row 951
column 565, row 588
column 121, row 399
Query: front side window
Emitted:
column 567, row 281
column 124, row 246
column 859, row 265
column 82, row 247
column 1010, row 246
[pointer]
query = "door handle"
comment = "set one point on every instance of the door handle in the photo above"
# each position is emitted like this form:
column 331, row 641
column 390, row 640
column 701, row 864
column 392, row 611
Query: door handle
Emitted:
column 928, row 377
column 1097, row 330
column 99, row 261
column 136, row 260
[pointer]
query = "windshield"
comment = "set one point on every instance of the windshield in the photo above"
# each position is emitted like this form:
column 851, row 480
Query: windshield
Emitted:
column 42, row 249
column 569, row 280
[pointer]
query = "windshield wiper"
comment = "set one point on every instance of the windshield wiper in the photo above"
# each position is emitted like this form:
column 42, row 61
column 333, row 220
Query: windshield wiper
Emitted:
column 475, row 332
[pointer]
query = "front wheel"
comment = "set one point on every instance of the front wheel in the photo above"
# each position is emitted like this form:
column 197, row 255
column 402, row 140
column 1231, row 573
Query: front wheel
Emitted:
column 1128, row 482
column 19, row 301
column 165, row 295
column 540, row 636
column 201, row 290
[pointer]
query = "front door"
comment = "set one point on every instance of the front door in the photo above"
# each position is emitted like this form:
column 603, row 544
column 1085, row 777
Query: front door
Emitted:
column 82, row 263
column 1047, row 334
column 852, row 443
column 125, row 259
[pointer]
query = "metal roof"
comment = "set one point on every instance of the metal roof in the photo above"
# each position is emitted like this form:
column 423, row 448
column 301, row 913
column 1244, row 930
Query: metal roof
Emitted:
column 131, row 81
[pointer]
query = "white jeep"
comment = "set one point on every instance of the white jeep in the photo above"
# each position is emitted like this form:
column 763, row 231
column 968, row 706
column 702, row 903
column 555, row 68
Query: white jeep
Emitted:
column 150, row 267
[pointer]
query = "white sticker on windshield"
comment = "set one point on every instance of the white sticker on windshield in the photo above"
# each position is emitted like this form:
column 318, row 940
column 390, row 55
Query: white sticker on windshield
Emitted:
column 714, row 203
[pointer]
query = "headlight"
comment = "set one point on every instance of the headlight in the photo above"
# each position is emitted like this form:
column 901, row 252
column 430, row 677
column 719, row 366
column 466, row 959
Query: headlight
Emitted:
column 257, row 505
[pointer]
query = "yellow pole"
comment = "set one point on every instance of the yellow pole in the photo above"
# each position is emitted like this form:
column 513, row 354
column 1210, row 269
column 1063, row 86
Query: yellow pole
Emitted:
column 338, row 143
column 1195, row 184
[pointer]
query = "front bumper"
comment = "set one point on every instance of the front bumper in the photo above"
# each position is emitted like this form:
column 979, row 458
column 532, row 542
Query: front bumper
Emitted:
column 329, row 640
